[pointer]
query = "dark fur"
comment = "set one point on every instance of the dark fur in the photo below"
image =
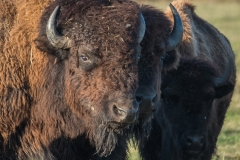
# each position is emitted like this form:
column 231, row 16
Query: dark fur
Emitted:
column 202, row 40
column 187, row 97
column 49, row 97
column 153, row 60
column 153, row 51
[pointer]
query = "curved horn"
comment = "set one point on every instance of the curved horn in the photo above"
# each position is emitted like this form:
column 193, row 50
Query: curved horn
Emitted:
column 142, row 28
column 223, row 79
column 53, row 36
column 176, row 36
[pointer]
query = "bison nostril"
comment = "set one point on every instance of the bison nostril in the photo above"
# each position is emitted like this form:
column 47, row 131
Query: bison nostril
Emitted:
column 125, row 116
column 197, row 140
column 139, row 99
column 194, row 143
column 154, row 102
column 118, row 111
column 188, row 142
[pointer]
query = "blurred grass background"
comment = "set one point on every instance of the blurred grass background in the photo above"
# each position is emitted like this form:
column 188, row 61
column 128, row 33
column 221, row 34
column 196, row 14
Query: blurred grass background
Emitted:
column 225, row 16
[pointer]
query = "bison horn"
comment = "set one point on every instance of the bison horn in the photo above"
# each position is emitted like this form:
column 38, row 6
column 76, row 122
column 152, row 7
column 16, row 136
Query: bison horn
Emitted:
column 142, row 28
column 176, row 36
column 53, row 36
column 222, row 80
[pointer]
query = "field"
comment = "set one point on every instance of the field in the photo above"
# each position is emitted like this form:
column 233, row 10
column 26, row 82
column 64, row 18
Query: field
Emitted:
column 225, row 16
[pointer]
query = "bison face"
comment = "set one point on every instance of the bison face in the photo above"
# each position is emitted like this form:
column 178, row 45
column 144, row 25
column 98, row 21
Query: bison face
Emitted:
column 97, row 45
column 186, row 109
column 157, row 52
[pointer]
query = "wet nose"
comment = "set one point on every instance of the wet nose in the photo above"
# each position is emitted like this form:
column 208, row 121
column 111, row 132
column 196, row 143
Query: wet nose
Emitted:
column 124, row 115
column 146, row 96
column 194, row 143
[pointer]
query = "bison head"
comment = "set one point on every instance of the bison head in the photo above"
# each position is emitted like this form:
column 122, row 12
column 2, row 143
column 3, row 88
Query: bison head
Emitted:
column 157, row 53
column 187, row 109
column 93, row 46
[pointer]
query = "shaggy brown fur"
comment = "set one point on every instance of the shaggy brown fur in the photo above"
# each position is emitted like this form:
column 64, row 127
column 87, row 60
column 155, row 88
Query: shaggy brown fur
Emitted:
column 202, row 40
column 47, row 93
column 7, row 17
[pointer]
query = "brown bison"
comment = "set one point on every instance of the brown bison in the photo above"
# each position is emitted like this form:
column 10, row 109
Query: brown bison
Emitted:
column 68, row 69
column 201, row 40
column 162, row 40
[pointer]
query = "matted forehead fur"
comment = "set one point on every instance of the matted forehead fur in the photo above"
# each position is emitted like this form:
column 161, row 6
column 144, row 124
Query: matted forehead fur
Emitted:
column 102, row 24
column 108, row 29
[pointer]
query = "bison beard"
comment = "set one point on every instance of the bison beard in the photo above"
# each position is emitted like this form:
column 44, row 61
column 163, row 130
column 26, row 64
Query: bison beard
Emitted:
column 105, row 140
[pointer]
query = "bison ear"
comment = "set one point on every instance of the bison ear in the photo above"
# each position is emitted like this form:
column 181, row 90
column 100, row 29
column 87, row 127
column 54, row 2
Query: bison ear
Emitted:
column 170, row 61
column 43, row 44
column 224, row 90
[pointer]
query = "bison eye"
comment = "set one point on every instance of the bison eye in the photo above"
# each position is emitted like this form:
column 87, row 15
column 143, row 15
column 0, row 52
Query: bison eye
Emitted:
column 162, row 57
column 168, row 100
column 84, row 58
column 138, row 57
column 211, row 100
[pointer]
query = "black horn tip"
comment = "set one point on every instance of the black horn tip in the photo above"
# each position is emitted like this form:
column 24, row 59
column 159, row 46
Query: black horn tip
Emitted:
column 173, row 9
column 176, row 36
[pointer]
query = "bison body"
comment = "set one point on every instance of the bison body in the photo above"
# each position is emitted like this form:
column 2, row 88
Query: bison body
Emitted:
column 68, row 70
column 203, row 41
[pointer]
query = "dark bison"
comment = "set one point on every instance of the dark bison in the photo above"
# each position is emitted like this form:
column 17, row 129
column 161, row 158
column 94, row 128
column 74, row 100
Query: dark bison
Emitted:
column 158, row 54
column 185, row 123
column 159, row 41
column 201, row 40
column 68, row 69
